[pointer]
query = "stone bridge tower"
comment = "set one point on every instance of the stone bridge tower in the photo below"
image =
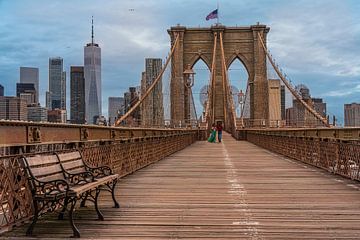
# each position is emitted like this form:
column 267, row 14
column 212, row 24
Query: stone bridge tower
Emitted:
column 239, row 43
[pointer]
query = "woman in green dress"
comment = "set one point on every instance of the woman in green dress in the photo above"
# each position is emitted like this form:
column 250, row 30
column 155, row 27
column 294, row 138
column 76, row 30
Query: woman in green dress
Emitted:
column 212, row 137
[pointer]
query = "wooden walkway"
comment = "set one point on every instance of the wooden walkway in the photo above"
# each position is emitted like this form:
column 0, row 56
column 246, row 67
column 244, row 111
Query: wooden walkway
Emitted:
column 233, row 190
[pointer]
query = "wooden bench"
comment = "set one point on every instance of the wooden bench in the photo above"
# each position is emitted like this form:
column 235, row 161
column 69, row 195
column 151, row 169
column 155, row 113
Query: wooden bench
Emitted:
column 59, row 180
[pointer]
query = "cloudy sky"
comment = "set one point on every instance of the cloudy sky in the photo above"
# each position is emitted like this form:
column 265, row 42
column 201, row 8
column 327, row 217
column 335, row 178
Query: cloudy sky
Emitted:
column 316, row 42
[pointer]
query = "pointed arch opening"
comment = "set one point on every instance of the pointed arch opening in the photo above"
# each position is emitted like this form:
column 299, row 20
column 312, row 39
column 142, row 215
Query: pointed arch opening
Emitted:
column 239, row 78
column 201, row 82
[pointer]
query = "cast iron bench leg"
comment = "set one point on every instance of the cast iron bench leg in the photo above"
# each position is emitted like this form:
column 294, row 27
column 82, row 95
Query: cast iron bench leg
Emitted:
column 116, row 204
column 35, row 218
column 100, row 216
column 61, row 214
column 74, row 228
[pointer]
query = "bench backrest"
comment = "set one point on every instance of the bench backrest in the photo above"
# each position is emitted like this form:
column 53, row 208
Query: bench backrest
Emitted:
column 44, row 167
column 72, row 162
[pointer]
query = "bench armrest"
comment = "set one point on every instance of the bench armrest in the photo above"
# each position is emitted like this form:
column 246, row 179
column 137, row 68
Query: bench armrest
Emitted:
column 100, row 171
column 51, row 188
column 79, row 178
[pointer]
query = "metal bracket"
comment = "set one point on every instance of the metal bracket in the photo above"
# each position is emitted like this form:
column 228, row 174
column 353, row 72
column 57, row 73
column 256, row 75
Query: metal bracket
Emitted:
column 34, row 134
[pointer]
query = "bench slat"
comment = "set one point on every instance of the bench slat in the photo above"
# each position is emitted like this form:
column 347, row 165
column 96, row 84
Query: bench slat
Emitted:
column 48, row 170
column 41, row 160
column 69, row 156
column 57, row 176
column 73, row 164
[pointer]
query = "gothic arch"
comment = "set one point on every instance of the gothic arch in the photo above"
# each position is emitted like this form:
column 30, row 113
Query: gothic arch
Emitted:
column 243, row 60
column 196, row 58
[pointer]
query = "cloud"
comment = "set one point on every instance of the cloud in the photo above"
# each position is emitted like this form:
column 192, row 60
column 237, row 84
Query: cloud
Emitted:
column 344, row 92
column 319, row 38
column 316, row 37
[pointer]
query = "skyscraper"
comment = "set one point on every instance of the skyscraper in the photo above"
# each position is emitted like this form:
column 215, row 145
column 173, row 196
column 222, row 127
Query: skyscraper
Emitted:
column 27, row 92
column 92, row 70
column 57, row 84
column 77, row 95
column 115, row 105
column 13, row 108
column 1, row 90
column 30, row 75
column 352, row 115
column 152, row 110
column 283, row 103
column 274, row 102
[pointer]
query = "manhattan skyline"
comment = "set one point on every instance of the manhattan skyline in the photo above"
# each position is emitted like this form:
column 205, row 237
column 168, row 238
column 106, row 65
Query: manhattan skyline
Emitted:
column 316, row 44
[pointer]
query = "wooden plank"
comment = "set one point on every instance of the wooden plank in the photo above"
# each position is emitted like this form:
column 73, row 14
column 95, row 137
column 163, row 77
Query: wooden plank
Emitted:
column 41, row 160
column 233, row 190
column 69, row 156
column 73, row 164
column 47, row 170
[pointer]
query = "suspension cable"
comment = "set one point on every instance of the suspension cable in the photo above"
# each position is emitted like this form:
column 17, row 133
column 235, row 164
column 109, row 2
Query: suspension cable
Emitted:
column 226, row 86
column 211, row 101
column 289, row 86
column 122, row 118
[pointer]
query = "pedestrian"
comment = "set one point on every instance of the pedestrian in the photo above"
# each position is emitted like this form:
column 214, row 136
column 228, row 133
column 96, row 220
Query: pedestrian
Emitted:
column 212, row 137
column 219, row 129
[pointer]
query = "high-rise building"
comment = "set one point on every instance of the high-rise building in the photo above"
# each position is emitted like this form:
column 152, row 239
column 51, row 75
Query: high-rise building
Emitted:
column 274, row 102
column 283, row 103
column 48, row 100
column 299, row 116
column 152, row 110
column 26, row 91
column 63, row 91
column 37, row 114
column 92, row 69
column 57, row 84
column 13, row 108
column 319, row 106
column 130, row 99
column 30, row 75
column 352, row 115
column 77, row 95
column 1, row 90
column 115, row 106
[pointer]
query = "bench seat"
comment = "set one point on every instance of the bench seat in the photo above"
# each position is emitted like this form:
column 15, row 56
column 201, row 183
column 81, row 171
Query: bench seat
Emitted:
column 59, row 180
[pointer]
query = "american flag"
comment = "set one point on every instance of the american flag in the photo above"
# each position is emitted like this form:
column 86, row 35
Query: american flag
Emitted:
column 212, row 15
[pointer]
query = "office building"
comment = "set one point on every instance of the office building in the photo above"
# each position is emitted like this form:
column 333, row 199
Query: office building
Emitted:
column 26, row 91
column 115, row 105
column 77, row 95
column 283, row 102
column 352, row 115
column 37, row 113
column 319, row 106
column 274, row 102
column 299, row 116
column 92, row 72
column 30, row 75
column 130, row 99
column 48, row 100
column 57, row 84
column 1, row 90
column 57, row 115
column 13, row 108
column 152, row 110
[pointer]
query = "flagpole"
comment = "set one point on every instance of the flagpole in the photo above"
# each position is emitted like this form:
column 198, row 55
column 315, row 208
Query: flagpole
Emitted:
column 218, row 13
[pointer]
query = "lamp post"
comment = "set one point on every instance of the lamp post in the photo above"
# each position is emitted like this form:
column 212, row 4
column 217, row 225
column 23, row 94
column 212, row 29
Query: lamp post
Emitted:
column 189, row 76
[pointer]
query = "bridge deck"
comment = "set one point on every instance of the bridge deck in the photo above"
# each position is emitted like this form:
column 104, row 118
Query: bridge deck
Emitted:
column 221, row 191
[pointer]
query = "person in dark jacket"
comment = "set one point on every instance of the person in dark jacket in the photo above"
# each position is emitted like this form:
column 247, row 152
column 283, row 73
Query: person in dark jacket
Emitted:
column 219, row 129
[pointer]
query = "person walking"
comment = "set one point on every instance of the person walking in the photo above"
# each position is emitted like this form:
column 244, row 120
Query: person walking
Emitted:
column 212, row 137
column 219, row 129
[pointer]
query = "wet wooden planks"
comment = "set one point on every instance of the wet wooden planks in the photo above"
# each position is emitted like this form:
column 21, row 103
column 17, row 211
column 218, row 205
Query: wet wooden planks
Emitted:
column 232, row 190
